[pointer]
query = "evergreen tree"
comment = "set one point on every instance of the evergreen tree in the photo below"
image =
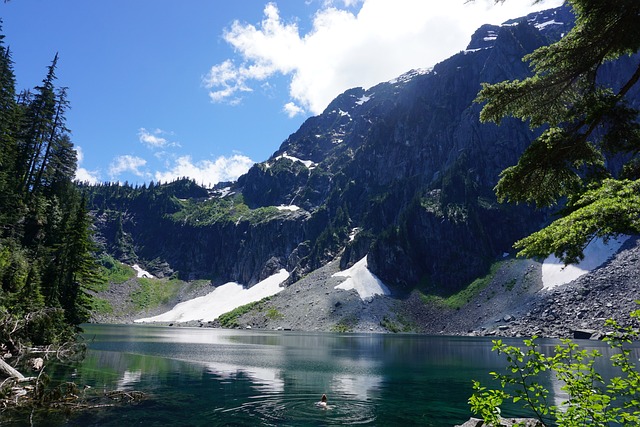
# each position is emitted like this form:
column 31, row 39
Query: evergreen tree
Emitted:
column 72, row 266
column 583, row 123
column 58, row 157
column 8, row 149
column 47, row 259
column 42, row 119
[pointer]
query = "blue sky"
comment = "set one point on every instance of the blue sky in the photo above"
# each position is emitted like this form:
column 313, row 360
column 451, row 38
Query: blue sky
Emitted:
column 203, row 88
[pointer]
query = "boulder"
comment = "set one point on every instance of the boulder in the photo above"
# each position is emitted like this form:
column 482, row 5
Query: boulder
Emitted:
column 583, row 334
column 504, row 422
column 36, row 363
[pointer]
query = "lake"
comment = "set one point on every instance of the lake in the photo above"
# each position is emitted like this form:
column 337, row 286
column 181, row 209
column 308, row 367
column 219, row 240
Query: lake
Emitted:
column 216, row 377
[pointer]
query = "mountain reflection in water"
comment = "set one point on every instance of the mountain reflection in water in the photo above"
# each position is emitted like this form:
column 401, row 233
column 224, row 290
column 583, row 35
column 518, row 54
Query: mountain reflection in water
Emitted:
column 210, row 377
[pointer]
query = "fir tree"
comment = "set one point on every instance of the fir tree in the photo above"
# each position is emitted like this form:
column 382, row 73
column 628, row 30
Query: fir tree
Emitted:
column 47, row 259
column 582, row 122
column 8, row 148
column 42, row 118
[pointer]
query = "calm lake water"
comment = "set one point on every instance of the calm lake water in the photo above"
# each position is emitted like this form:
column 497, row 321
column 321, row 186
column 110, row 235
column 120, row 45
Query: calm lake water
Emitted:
column 213, row 377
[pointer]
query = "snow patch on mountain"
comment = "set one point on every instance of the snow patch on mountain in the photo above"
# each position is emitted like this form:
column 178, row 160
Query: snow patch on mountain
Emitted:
column 547, row 23
column 221, row 193
column 363, row 99
column 362, row 280
column 141, row 272
column 308, row 163
column 555, row 273
column 291, row 208
column 491, row 36
column 409, row 75
column 222, row 300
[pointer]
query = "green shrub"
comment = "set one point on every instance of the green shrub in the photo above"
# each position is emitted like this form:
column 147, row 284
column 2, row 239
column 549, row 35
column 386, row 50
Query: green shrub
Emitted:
column 154, row 292
column 464, row 296
column 274, row 314
column 230, row 319
column 115, row 271
column 592, row 399
column 344, row 325
column 395, row 326
column 101, row 306
column 228, row 209
column 341, row 328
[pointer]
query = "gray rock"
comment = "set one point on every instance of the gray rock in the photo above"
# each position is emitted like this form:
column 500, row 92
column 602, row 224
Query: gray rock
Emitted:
column 504, row 422
column 583, row 334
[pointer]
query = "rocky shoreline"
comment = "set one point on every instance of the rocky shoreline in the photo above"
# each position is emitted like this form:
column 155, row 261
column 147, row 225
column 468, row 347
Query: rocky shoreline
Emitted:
column 504, row 422
column 513, row 304
column 580, row 308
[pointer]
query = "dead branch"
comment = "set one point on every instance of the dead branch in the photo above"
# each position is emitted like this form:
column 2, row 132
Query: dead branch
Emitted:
column 9, row 371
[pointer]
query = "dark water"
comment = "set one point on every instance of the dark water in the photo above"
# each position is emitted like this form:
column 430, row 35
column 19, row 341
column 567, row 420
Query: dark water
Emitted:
column 211, row 377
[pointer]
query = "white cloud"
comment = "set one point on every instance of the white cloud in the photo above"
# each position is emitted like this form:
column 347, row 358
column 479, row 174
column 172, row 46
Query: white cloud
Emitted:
column 228, row 80
column 292, row 109
column 155, row 139
column 151, row 139
column 79, row 154
column 343, row 49
column 207, row 172
column 82, row 174
column 346, row 3
column 126, row 163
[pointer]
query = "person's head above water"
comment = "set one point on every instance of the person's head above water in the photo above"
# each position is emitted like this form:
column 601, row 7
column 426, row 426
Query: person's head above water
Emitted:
column 323, row 402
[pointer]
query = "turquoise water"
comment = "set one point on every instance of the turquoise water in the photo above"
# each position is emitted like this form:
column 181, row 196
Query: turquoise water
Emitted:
column 213, row 377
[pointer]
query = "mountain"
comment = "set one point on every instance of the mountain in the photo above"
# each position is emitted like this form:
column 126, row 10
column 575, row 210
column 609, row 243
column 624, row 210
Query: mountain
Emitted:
column 402, row 173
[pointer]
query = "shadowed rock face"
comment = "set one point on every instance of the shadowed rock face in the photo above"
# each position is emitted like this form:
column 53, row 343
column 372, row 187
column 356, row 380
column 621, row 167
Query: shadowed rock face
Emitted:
column 406, row 164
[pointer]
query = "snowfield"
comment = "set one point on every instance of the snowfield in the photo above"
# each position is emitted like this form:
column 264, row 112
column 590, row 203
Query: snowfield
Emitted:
column 362, row 280
column 222, row 300
column 232, row 295
column 141, row 273
column 555, row 273
column 291, row 208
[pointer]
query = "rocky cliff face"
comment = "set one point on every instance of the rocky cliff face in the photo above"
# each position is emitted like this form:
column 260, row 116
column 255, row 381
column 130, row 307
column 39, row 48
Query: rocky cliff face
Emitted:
column 137, row 229
column 412, row 166
column 403, row 171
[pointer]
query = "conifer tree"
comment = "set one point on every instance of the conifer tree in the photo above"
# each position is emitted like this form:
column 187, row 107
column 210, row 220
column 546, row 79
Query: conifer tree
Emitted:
column 47, row 259
column 58, row 157
column 41, row 120
column 583, row 123
column 8, row 147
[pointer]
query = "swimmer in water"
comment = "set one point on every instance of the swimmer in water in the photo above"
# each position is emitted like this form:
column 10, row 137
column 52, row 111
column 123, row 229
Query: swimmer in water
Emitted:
column 323, row 401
